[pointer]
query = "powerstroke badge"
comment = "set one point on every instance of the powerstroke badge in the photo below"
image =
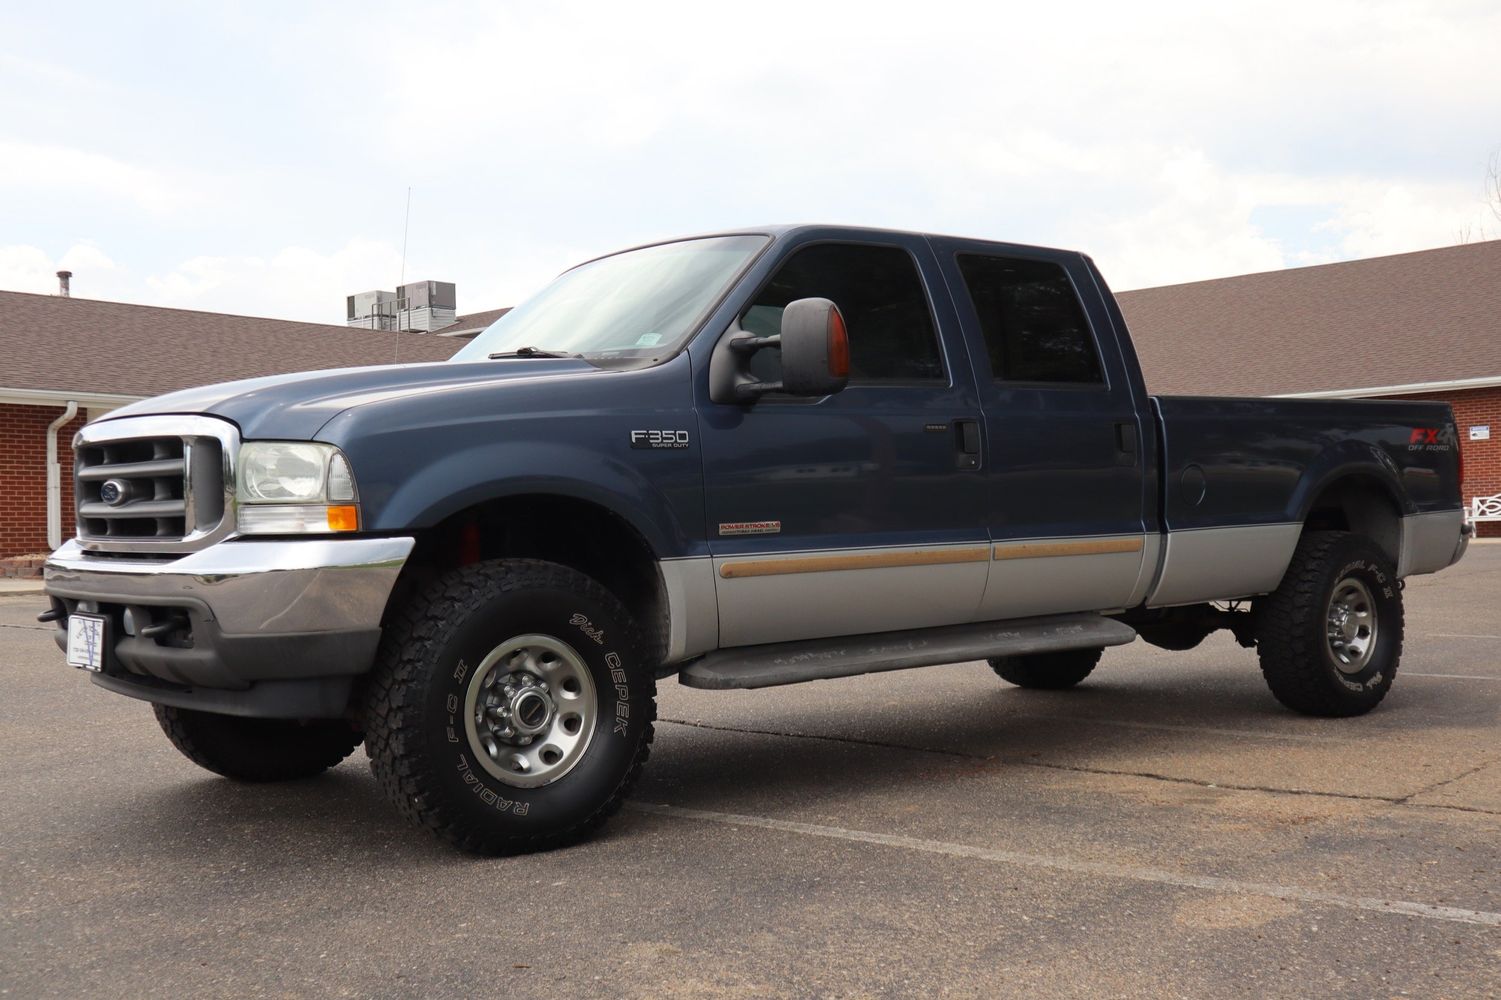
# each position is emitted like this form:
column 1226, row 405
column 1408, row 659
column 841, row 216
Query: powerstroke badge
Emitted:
column 751, row 528
column 659, row 439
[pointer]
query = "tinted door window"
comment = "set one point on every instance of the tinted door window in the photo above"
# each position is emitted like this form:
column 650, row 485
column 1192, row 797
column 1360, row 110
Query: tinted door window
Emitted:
column 878, row 290
column 1034, row 327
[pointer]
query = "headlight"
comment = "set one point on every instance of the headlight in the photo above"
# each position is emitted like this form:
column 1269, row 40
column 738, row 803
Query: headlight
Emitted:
column 295, row 487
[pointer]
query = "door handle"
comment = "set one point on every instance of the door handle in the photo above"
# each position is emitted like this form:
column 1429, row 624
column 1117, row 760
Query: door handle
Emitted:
column 1125, row 443
column 967, row 444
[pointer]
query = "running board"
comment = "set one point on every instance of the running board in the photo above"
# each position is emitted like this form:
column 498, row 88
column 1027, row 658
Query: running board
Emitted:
column 847, row 656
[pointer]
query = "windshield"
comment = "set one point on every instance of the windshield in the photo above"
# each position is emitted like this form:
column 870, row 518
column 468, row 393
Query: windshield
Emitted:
column 637, row 305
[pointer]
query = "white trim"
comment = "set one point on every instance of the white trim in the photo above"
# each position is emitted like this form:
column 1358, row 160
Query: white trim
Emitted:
column 57, row 397
column 1488, row 382
column 55, row 478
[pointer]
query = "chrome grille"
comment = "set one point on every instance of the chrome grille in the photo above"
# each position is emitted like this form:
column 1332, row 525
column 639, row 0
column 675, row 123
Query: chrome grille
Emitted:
column 133, row 489
column 153, row 484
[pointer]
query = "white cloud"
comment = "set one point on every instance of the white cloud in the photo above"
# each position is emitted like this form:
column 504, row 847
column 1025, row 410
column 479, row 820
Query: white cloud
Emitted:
column 72, row 173
column 1173, row 140
column 31, row 269
column 1152, row 136
column 1200, row 221
column 293, row 283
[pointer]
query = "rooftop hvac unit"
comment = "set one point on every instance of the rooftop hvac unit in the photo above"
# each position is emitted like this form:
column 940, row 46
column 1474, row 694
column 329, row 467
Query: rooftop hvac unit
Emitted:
column 427, row 294
column 425, row 306
column 371, row 310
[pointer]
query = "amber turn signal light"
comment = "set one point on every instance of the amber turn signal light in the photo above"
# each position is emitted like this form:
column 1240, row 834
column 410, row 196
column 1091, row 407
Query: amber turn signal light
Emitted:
column 839, row 345
column 344, row 517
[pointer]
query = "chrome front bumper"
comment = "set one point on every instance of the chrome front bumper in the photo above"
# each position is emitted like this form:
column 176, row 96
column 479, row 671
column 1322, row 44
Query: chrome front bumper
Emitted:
column 251, row 612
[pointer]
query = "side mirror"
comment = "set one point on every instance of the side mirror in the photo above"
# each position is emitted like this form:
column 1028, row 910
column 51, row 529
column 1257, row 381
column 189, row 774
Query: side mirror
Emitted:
column 815, row 347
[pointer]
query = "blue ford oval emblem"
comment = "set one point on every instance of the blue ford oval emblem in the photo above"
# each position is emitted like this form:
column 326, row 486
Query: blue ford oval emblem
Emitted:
column 112, row 492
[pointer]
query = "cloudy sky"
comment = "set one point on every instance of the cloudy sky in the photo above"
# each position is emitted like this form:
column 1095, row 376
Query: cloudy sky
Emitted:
column 256, row 157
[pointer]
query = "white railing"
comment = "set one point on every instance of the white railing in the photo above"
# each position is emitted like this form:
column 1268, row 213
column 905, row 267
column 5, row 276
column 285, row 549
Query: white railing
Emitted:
column 1486, row 508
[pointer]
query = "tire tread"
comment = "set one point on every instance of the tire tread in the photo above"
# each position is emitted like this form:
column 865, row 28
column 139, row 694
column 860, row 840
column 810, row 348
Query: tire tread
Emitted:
column 1048, row 671
column 228, row 745
column 1288, row 635
column 392, row 717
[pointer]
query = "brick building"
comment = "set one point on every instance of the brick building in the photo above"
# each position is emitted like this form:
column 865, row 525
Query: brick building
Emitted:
column 64, row 361
column 1423, row 325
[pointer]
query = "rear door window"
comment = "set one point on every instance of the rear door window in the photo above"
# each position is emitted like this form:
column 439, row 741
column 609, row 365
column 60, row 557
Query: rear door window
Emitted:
column 1033, row 324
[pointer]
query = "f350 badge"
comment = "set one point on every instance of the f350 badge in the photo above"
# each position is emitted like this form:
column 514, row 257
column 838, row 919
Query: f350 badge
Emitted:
column 659, row 439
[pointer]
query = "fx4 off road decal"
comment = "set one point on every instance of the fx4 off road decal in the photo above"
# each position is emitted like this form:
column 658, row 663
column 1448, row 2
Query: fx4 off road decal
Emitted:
column 1432, row 439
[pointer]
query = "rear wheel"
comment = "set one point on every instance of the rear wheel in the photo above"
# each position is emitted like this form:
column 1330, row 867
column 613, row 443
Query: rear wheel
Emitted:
column 510, row 708
column 1330, row 636
column 257, row 749
column 1047, row 671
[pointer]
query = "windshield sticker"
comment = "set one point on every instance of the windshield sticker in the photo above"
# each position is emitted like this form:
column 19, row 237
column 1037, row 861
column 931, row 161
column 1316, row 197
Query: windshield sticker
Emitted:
column 649, row 340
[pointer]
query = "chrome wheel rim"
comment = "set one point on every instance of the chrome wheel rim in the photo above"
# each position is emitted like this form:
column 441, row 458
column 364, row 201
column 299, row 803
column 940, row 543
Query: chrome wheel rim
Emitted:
column 1351, row 625
column 529, row 710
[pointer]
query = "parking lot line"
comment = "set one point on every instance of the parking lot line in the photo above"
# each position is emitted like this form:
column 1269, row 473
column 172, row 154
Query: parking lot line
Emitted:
column 1450, row 677
column 1179, row 728
column 1462, row 635
column 1209, row 883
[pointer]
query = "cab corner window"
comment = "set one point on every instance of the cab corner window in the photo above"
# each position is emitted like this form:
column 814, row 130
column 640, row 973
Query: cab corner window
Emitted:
column 879, row 292
column 1034, row 327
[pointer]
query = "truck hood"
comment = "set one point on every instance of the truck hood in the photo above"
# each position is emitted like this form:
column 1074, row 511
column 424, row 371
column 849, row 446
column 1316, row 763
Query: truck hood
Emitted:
column 295, row 406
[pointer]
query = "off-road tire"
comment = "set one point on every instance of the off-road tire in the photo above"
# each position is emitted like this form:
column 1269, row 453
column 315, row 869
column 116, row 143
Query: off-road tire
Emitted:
column 414, row 717
column 257, row 749
column 1292, row 622
column 1047, row 671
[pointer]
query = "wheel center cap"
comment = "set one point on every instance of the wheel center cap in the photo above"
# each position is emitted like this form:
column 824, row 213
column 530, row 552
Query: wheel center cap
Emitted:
column 531, row 711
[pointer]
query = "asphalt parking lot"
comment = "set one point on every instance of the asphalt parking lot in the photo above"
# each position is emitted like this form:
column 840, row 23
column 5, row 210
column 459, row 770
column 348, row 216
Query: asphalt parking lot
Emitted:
column 1164, row 830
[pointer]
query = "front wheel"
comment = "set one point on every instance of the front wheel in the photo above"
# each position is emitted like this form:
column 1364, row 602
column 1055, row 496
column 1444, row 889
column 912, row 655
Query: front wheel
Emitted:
column 1330, row 636
column 510, row 708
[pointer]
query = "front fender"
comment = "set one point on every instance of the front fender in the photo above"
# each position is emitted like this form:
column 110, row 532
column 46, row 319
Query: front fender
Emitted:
column 457, row 480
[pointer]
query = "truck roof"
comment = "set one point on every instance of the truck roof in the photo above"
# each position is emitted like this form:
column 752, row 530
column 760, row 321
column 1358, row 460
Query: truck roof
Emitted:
column 781, row 230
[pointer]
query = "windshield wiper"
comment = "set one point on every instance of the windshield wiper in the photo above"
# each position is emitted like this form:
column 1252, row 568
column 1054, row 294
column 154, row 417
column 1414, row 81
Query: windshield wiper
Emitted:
column 533, row 352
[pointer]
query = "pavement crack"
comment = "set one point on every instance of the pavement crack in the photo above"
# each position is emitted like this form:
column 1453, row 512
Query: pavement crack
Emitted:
column 1435, row 786
column 1399, row 800
column 33, row 628
column 959, row 754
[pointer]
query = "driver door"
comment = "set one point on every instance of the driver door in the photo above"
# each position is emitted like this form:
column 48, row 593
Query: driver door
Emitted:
column 862, row 511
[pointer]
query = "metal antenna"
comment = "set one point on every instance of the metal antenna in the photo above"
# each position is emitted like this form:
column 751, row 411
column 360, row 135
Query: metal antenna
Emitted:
column 406, row 227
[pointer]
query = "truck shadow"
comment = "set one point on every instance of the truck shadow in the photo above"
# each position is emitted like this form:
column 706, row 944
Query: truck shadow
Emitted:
column 759, row 749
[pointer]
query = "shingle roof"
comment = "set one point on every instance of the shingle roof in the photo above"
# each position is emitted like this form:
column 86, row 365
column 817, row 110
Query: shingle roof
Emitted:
column 90, row 346
column 1429, row 316
column 472, row 322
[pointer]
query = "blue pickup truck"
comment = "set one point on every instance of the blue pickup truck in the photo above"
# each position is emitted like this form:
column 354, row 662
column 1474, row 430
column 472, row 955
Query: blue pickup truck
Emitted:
column 744, row 459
